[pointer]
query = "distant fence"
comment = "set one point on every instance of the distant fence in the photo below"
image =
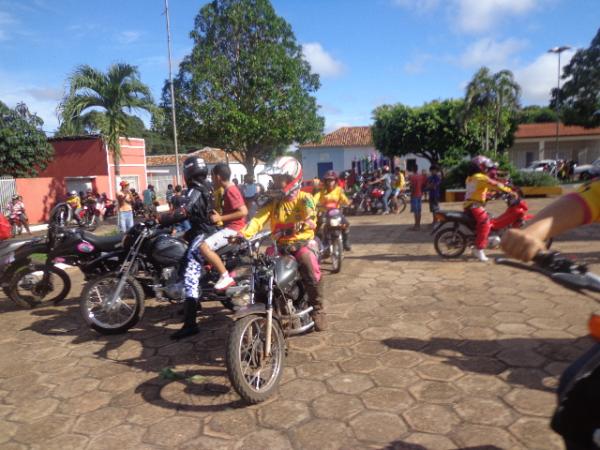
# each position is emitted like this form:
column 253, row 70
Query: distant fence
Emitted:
column 8, row 188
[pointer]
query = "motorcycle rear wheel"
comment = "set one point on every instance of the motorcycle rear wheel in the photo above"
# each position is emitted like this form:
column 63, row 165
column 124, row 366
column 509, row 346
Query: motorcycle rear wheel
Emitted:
column 401, row 202
column 450, row 243
column 246, row 360
column 337, row 255
column 26, row 286
column 126, row 314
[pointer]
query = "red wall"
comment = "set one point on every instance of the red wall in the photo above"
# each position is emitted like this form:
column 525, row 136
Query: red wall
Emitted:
column 77, row 158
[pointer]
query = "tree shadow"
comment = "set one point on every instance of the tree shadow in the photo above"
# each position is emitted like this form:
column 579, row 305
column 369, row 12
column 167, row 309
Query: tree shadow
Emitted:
column 394, row 257
column 401, row 445
column 521, row 359
column 56, row 192
column 389, row 234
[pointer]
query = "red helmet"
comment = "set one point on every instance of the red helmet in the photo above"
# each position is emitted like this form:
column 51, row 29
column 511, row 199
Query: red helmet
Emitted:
column 290, row 167
column 330, row 175
column 483, row 162
column 123, row 183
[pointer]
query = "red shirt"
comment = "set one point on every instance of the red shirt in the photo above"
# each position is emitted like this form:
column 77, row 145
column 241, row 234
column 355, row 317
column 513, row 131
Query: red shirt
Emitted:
column 232, row 201
column 417, row 182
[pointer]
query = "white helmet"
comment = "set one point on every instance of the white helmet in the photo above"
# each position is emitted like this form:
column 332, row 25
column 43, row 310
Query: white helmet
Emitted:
column 286, row 165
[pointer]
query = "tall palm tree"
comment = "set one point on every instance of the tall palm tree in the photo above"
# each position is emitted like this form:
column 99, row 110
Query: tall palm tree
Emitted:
column 102, row 100
column 507, row 92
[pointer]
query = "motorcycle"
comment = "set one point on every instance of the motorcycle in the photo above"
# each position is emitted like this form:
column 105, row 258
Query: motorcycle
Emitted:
column 29, row 284
column 278, row 308
column 330, row 234
column 577, row 416
column 456, row 230
column 115, row 301
column 16, row 224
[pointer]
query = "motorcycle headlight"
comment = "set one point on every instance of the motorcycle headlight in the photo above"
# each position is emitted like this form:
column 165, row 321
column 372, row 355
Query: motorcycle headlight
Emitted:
column 335, row 222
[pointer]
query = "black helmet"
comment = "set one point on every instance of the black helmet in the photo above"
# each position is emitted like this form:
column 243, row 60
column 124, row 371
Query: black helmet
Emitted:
column 194, row 170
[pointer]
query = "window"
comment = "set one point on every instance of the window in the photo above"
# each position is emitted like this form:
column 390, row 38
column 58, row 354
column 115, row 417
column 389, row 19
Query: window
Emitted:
column 132, row 180
column 528, row 159
column 411, row 165
column 323, row 167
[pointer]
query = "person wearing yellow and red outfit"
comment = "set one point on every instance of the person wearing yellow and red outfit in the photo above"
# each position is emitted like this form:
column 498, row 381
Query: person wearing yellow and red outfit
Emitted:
column 332, row 196
column 478, row 185
column 292, row 217
column 74, row 203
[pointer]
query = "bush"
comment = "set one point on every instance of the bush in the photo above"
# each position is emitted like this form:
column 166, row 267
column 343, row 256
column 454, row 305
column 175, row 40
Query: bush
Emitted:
column 536, row 179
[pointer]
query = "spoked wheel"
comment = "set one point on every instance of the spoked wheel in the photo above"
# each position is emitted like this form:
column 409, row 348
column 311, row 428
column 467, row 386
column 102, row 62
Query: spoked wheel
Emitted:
column 28, row 288
column 337, row 254
column 254, row 375
column 450, row 243
column 401, row 204
column 115, row 318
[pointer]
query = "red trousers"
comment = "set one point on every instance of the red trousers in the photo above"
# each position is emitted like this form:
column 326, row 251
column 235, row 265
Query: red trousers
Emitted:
column 483, row 227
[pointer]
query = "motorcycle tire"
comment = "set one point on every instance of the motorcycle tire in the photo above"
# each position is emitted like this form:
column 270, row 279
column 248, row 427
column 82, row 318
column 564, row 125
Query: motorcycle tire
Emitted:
column 337, row 255
column 401, row 205
column 93, row 320
column 243, row 386
column 460, row 243
column 32, row 302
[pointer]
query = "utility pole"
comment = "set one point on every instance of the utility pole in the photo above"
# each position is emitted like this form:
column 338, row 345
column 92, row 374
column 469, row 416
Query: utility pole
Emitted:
column 558, row 51
column 172, row 93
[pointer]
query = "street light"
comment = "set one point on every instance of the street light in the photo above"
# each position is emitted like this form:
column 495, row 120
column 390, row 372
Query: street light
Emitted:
column 558, row 51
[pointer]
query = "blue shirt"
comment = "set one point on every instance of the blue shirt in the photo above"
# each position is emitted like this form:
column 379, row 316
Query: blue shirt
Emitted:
column 433, row 186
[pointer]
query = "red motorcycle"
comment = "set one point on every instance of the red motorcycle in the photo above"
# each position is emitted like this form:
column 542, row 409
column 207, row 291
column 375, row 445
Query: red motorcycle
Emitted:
column 456, row 230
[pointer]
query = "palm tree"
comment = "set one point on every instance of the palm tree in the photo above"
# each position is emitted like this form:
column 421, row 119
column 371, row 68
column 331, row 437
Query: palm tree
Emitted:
column 507, row 92
column 97, row 100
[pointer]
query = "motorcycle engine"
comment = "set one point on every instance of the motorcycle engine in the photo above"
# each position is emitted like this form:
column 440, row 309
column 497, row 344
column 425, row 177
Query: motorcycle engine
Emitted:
column 494, row 241
column 173, row 287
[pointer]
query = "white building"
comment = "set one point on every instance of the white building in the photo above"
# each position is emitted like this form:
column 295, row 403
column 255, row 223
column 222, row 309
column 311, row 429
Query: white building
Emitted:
column 345, row 146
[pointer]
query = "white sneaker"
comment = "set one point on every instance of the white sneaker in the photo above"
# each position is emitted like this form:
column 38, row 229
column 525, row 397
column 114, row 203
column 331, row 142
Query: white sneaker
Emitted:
column 224, row 282
column 480, row 255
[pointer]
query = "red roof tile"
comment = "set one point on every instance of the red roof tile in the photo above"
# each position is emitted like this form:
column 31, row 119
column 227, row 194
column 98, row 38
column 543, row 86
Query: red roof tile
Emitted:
column 345, row 137
column 209, row 154
column 537, row 130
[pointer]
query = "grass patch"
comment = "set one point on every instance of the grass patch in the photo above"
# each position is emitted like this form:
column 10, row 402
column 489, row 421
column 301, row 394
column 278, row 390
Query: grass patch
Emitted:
column 38, row 258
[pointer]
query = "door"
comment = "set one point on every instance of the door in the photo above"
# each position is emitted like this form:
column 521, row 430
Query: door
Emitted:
column 79, row 184
column 411, row 165
column 323, row 167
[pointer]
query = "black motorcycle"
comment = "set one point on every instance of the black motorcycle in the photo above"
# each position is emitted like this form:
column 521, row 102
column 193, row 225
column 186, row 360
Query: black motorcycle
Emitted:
column 330, row 232
column 577, row 416
column 115, row 301
column 30, row 283
column 278, row 307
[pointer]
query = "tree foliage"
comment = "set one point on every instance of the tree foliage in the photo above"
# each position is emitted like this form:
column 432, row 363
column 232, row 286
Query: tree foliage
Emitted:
column 580, row 94
column 536, row 114
column 24, row 149
column 491, row 106
column 100, row 101
column 432, row 131
column 246, row 86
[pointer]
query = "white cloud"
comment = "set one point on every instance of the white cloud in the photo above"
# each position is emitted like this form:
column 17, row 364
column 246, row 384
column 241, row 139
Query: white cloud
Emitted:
column 539, row 77
column 416, row 66
column 128, row 37
column 6, row 21
column 493, row 54
column 322, row 62
column 421, row 6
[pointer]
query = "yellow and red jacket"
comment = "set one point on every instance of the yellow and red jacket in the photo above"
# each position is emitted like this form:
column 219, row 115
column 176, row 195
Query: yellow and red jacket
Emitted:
column 332, row 199
column 74, row 202
column 478, row 186
column 589, row 197
column 284, row 215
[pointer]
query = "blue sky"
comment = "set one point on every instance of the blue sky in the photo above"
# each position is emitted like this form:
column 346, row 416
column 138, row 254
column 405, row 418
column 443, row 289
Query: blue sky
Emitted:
column 368, row 52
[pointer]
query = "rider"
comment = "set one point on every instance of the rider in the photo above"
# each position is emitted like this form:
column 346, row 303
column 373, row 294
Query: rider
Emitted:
column 74, row 203
column 16, row 208
column 386, row 180
column 292, row 212
column 196, row 209
column 478, row 184
column 333, row 196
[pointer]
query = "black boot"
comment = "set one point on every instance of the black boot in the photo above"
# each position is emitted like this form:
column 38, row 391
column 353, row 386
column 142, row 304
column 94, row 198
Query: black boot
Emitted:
column 190, row 327
column 346, row 241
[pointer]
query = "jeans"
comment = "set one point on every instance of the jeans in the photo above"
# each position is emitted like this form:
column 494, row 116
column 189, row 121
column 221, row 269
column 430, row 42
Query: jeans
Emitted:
column 386, row 199
column 125, row 220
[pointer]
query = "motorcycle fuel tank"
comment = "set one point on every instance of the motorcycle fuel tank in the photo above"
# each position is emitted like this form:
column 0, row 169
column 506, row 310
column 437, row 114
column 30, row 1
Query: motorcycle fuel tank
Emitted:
column 286, row 269
column 167, row 250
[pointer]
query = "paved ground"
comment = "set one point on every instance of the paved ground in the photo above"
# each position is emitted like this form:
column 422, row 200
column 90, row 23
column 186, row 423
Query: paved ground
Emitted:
column 422, row 354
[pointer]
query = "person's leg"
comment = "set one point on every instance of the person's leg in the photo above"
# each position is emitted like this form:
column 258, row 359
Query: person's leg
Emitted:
column 311, row 275
column 482, row 232
column 129, row 220
column 25, row 222
column 122, row 224
column 346, row 234
column 208, row 251
column 386, row 198
column 434, row 207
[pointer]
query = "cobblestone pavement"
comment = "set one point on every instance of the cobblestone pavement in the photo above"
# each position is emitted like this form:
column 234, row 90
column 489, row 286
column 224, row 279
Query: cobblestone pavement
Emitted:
column 422, row 354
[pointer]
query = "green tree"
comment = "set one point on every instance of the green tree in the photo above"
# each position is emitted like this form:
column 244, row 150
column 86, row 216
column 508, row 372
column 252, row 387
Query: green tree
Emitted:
column 536, row 114
column 24, row 149
column 491, row 105
column 100, row 101
column 432, row 131
column 246, row 86
column 580, row 94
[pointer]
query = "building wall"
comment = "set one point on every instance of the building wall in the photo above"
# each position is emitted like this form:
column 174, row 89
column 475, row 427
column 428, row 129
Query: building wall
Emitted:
column 83, row 157
column 582, row 150
column 132, row 163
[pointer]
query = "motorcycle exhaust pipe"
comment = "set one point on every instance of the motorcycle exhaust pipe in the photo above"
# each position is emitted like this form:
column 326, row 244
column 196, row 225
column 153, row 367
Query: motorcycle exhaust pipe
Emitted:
column 300, row 330
column 299, row 315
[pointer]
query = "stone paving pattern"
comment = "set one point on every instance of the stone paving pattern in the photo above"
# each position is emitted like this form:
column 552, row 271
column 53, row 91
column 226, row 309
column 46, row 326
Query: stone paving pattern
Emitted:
column 422, row 354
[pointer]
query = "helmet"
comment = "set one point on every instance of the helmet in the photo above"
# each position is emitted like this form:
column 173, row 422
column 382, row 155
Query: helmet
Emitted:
column 386, row 168
column 73, row 194
column 16, row 197
column 483, row 162
column 290, row 167
column 330, row 175
column 194, row 170
column 123, row 183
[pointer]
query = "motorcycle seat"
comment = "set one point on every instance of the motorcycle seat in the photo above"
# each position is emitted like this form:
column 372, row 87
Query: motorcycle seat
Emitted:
column 102, row 243
column 227, row 249
column 461, row 217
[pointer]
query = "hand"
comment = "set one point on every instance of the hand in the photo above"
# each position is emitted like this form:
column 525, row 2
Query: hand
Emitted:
column 237, row 239
column 519, row 244
column 215, row 217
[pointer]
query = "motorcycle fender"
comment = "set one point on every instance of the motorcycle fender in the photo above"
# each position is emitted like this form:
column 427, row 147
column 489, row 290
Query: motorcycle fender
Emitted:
column 256, row 308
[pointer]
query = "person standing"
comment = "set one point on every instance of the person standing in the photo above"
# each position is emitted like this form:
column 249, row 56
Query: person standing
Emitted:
column 250, row 190
column 417, row 183
column 386, row 182
column 125, row 201
column 169, row 196
column 434, row 182
column 149, row 201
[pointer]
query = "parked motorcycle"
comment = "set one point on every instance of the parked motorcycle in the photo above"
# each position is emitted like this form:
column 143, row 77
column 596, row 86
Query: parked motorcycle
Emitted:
column 16, row 224
column 115, row 301
column 577, row 416
column 29, row 283
column 15, row 255
column 278, row 307
column 330, row 234
column 456, row 230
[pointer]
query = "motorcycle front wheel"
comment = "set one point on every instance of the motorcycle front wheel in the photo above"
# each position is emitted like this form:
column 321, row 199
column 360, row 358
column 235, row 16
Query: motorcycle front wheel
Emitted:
column 401, row 202
column 337, row 254
column 254, row 375
column 27, row 287
column 450, row 243
column 126, row 311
